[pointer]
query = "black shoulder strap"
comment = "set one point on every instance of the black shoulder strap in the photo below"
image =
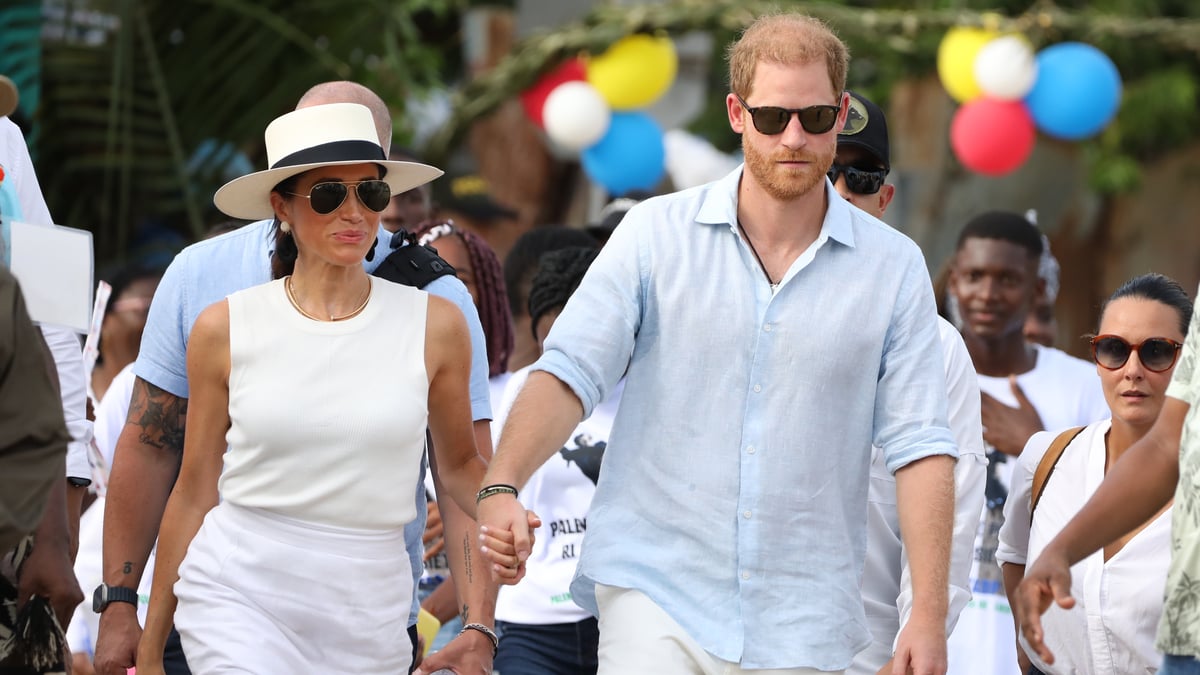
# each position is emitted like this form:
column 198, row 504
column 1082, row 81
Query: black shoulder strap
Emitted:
column 413, row 265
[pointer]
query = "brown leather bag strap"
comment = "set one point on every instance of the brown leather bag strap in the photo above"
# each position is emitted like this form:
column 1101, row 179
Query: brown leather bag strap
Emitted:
column 1046, row 466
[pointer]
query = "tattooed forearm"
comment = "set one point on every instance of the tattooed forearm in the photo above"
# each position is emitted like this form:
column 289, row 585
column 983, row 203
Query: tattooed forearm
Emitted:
column 159, row 415
column 467, row 566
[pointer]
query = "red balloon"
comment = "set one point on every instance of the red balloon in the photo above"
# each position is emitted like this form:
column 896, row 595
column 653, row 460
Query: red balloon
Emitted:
column 992, row 137
column 534, row 98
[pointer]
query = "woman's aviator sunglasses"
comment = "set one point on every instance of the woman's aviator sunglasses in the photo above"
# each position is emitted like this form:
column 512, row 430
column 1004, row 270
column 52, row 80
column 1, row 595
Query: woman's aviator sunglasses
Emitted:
column 1156, row 354
column 325, row 198
column 771, row 120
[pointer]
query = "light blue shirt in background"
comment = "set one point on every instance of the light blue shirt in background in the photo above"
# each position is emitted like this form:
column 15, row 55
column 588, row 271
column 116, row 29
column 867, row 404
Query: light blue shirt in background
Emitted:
column 209, row 270
column 734, row 487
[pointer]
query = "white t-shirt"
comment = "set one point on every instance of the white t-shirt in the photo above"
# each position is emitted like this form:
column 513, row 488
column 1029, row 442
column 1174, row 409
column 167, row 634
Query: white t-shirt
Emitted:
column 1111, row 629
column 111, row 414
column 1066, row 392
column 560, row 491
column 887, row 585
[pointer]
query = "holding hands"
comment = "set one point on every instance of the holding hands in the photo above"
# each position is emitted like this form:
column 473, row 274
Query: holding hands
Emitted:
column 505, row 533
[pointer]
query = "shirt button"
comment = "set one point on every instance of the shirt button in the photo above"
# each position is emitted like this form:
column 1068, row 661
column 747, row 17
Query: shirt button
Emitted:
column 767, row 328
column 745, row 575
column 757, row 388
column 746, row 513
column 750, row 450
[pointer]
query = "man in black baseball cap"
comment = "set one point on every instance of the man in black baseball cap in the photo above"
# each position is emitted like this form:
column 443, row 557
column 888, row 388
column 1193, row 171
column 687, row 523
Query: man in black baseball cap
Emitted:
column 861, row 166
column 858, row 172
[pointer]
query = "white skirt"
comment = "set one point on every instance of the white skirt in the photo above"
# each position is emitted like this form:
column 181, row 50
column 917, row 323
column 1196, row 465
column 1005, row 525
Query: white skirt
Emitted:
column 262, row 593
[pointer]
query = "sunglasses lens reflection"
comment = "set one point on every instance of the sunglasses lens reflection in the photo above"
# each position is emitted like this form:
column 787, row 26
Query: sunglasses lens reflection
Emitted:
column 1111, row 352
column 374, row 194
column 1157, row 354
column 326, row 197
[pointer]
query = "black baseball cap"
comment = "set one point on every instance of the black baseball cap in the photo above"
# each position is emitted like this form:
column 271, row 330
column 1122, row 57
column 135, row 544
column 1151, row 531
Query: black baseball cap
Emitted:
column 471, row 195
column 866, row 127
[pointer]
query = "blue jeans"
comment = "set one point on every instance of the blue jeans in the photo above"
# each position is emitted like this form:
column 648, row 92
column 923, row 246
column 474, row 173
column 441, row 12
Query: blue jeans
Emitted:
column 553, row 649
column 1180, row 665
column 174, row 662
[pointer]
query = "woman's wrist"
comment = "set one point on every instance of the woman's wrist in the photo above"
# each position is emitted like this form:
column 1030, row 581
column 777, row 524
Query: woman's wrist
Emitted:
column 483, row 630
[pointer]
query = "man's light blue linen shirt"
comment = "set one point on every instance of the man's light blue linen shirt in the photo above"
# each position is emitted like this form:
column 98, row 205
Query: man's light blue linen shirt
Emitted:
column 734, row 487
column 209, row 270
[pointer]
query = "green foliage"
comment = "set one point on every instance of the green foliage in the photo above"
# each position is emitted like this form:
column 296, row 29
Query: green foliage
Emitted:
column 132, row 88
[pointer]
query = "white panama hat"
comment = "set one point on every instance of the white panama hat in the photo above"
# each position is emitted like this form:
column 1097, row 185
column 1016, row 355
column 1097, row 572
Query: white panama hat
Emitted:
column 322, row 135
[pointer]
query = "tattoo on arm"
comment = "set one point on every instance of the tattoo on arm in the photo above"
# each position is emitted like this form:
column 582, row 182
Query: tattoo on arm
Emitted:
column 467, row 566
column 159, row 415
column 128, row 567
column 463, row 615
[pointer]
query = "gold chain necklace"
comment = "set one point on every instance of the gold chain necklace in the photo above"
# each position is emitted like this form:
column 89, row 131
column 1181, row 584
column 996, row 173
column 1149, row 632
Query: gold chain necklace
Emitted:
column 291, row 296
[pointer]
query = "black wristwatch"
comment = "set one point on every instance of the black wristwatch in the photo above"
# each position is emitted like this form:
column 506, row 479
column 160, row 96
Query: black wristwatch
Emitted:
column 106, row 594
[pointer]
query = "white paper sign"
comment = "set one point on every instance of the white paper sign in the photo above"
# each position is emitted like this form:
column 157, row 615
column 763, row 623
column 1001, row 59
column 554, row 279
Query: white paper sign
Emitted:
column 55, row 267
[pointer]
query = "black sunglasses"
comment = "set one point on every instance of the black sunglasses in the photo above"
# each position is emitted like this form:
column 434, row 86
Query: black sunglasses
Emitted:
column 860, row 181
column 771, row 120
column 325, row 198
column 1156, row 354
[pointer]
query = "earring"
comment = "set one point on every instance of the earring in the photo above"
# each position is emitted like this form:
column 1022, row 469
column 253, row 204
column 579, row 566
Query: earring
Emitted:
column 371, row 251
column 286, row 249
column 285, row 226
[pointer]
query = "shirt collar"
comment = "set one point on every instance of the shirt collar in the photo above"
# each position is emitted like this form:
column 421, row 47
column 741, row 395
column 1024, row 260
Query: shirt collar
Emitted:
column 719, row 207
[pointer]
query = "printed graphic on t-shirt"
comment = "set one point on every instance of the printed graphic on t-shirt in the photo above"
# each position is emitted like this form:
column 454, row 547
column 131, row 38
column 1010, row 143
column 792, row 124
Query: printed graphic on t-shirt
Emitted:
column 587, row 455
column 987, row 572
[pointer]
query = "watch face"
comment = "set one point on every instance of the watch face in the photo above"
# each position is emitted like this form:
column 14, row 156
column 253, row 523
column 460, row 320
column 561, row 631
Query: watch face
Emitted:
column 98, row 599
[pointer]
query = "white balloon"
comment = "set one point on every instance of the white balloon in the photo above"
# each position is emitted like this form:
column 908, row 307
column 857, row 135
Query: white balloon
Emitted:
column 575, row 115
column 1006, row 68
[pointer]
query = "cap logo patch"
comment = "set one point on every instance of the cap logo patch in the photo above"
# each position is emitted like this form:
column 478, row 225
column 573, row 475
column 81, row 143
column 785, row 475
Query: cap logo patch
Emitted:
column 856, row 118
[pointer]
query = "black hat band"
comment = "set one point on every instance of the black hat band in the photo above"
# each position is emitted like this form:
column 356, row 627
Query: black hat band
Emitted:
column 337, row 151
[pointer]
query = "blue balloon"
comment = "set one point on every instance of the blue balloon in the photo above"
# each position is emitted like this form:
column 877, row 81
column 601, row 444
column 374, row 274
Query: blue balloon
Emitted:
column 1077, row 92
column 629, row 157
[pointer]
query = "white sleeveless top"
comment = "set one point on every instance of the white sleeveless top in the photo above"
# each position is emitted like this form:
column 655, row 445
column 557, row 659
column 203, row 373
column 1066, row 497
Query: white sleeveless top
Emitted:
column 322, row 429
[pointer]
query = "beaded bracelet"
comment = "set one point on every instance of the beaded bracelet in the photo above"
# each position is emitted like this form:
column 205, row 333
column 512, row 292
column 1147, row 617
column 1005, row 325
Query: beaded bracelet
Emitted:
column 493, row 490
column 486, row 631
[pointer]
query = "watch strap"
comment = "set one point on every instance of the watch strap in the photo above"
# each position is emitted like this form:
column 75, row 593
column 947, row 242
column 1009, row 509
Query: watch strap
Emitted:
column 122, row 594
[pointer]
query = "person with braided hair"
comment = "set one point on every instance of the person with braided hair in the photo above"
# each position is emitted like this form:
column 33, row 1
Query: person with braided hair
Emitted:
column 544, row 631
column 480, row 271
column 520, row 265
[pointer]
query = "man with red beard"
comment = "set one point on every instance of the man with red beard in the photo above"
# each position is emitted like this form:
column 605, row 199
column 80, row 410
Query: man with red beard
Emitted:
column 768, row 333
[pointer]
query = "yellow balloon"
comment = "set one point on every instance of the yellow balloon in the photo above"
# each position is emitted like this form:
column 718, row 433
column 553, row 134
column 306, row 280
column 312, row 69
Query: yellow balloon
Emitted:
column 635, row 71
column 956, row 61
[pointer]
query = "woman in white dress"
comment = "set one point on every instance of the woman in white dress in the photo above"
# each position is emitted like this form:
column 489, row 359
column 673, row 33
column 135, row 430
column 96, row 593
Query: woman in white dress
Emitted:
column 288, row 548
column 1111, row 631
